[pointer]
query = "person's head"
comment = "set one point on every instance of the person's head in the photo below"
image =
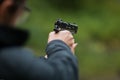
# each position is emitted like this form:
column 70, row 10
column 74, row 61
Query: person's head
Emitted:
column 11, row 10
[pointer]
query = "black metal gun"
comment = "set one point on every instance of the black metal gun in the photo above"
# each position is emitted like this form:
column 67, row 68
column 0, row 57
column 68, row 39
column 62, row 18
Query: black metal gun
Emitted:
column 60, row 25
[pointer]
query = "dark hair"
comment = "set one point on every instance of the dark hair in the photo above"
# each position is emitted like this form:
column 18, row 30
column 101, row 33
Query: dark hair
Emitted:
column 1, row 1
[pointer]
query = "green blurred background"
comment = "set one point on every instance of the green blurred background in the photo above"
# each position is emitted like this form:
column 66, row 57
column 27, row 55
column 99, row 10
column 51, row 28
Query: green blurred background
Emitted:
column 98, row 37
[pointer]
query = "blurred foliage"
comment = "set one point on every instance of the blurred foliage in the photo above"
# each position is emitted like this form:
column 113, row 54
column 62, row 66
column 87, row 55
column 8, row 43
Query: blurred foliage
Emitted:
column 98, row 37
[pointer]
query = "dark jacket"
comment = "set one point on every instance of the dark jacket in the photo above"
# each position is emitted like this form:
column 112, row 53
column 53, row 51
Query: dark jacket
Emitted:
column 19, row 63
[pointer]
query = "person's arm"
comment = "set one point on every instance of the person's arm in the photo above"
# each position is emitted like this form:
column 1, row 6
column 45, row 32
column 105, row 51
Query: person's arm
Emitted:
column 62, row 60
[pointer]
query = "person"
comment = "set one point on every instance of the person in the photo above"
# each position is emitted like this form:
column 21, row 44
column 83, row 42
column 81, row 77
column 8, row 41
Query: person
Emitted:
column 19, row 63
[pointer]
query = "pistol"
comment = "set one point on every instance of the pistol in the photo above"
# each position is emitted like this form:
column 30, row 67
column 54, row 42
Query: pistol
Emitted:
column 60, row 26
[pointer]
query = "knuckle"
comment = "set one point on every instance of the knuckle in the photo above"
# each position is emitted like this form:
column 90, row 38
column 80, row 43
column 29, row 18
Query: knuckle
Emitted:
column 66, row 32
column 71, row 37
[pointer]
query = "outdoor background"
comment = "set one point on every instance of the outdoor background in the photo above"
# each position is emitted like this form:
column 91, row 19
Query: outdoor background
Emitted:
column 98, row 37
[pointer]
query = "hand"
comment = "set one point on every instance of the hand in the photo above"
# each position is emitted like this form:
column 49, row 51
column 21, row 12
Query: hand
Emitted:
column 73, row 47
column 64, row 36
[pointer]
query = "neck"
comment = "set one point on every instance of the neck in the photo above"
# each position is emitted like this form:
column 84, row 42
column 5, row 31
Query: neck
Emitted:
column 10, row 36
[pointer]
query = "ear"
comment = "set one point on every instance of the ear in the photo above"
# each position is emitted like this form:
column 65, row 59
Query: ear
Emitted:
column 5, row 5
column 4, row 8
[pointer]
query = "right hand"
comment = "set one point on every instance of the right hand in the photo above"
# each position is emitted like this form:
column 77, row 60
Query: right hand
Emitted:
column 64, row 36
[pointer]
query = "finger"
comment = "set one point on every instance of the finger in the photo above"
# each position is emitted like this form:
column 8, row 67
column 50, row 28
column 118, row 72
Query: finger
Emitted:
column 66, row 32
column 71, row 36
column 70, row 42
column 73, row 47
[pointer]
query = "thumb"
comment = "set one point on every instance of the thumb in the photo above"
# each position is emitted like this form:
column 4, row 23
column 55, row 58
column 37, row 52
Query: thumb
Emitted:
column 73, row 47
